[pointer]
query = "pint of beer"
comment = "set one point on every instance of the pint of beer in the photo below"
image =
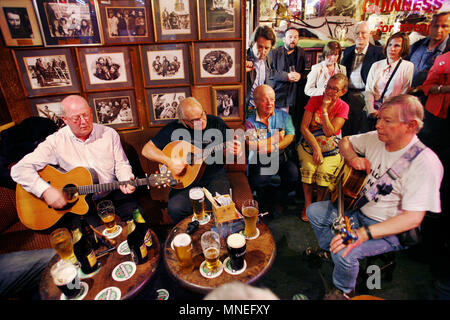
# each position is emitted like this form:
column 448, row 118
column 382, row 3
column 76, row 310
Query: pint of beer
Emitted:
column 106, row 212
column 182, row 243
column 65, row 276
column 236, row 249
column 250, row 212
column 61, row 241
column 210, row 241
column 197, row 198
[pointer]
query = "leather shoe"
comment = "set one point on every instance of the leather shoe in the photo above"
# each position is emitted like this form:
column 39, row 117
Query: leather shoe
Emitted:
column 303, row 216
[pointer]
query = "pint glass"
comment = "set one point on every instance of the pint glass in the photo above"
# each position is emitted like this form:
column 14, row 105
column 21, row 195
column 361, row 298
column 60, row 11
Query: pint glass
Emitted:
column 197, row 198
column 236, row 249
column 182, row 244
column 211, row 250
column 61, row 241
column 250, row 212
column 106, row 212
column 65, row 277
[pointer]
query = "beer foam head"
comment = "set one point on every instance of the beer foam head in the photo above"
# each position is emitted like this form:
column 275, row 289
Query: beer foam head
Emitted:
column 236, row 240
column 196, row 194
column 63, row 274
column 182, row 240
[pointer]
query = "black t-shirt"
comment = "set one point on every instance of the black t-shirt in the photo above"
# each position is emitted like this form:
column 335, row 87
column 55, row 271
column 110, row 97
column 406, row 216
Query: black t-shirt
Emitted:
column 208, row 138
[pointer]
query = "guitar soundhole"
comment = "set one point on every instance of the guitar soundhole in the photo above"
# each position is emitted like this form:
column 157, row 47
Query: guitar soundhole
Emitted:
column 190, row 158
column 70, row 192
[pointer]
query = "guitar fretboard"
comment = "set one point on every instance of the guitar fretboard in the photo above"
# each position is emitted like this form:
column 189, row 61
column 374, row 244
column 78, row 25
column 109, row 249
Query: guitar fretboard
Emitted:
column 207, row 152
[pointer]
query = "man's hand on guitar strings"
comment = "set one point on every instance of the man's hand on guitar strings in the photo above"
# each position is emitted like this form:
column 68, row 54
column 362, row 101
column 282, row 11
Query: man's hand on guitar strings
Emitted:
column 234, row 147
column 128, row 188
column 54, row 198
column 337, row 244
column 177, row 166
column 359, row 163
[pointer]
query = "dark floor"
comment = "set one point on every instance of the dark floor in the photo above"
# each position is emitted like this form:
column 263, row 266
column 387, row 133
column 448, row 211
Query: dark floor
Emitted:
column 294, row 273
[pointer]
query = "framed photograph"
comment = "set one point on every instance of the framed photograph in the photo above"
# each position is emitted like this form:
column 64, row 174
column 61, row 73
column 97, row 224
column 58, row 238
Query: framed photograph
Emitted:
column 175, row 19
column 105, row 68
column 220, row 19
column 46, row 71
column 312, row 56
column 227, row 102
column 217, row 62
column 19, row 24
column 49, row 107
column 115, row 109
column 165, row 64
column 126, row 21
column 69, row 23
column 163, row 103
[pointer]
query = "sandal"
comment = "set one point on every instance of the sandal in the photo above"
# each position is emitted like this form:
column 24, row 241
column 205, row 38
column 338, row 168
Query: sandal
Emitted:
column 319, row 252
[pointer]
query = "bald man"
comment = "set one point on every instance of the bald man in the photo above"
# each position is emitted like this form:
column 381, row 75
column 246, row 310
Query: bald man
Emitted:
column 81, row 143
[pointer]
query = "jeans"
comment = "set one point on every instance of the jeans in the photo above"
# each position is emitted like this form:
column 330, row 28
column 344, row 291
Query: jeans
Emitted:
column 321, row 216
column 21, row 271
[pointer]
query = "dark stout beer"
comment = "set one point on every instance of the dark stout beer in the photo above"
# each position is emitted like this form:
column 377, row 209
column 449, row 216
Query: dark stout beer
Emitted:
column 236, row 249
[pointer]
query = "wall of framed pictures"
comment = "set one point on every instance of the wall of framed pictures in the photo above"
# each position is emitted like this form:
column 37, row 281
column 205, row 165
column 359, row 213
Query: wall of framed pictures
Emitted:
column 132, row 60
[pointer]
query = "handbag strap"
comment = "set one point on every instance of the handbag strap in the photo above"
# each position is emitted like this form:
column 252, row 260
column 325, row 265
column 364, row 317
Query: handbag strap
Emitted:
column 390, row 78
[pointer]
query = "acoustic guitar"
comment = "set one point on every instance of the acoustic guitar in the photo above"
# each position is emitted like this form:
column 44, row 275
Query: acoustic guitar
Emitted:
column 193, row 156
column 75, row 184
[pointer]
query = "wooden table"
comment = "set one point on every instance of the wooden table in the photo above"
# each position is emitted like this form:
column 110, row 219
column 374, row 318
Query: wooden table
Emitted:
column 103, row 279
column 260, row 256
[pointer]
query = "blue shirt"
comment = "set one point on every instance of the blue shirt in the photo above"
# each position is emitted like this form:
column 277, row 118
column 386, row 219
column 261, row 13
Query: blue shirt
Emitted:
column 423, row 59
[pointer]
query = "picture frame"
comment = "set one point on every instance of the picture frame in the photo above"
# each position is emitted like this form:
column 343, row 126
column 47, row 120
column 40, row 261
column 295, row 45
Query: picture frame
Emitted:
column 49, row 107
column 175, row 20
column 46, row 71
column 312, row 56
column 19, row 24
column 126, row 21
column 115, row 109
column 69, row 23
column 165, row 64
column 160, row 101
column 228, row 102
column 217, row 62
column 105, row 68
column 220, row 19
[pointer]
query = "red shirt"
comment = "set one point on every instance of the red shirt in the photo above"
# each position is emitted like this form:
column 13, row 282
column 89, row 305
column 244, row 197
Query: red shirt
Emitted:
column 314, row 105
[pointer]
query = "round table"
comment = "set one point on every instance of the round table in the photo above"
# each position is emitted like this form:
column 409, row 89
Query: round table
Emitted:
column 103, row 279
column 259, row 257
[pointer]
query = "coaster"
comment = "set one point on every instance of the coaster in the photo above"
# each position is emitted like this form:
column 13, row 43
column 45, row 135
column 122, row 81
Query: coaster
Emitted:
column 114, row 234
column 163, row 294
column 299, row 296
column 80, row 296
column 123, row 249
column 208, row 274
column 111, row 293
column 204, row 221
column 228, row 269
column 83, row 275
column 254, row 237
column 124, row 271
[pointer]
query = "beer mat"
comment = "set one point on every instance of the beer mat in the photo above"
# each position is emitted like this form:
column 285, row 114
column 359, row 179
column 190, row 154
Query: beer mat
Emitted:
column 250, row 238
column 162, row 294
column 224, row 229
column 81, row 295
column 228, row 269
column 207, row 273
column 83, row 275
column 114, row 234
column 124, row 271
column 123, row 249
column 203, row 221
column 111, row 293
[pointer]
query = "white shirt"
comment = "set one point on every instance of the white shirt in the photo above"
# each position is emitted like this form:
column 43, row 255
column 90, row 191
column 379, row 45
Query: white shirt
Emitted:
column 318, row 78
column 102, row 151
column 355, row 81
column 378, row 76
column 413, row 191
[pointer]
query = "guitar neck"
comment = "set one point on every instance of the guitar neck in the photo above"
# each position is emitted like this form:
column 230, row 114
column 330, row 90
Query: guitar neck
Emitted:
column 207, row 152
column 104, row 187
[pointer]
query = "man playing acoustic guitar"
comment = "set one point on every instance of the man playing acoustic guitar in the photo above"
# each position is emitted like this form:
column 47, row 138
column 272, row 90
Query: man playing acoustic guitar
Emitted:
column 80, row 144
column 388, row 213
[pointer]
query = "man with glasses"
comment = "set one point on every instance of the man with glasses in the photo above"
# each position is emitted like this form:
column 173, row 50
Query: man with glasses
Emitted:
column 81, row 143
column 199, row 129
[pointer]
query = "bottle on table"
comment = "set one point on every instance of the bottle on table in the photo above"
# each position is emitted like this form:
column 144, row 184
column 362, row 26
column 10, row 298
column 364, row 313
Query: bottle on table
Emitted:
column 84, row 252
column 136, row 243
column 142, row 227
column 89, row 234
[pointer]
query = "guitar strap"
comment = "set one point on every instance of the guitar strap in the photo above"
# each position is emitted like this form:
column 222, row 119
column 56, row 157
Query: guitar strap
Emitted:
column 384, row 183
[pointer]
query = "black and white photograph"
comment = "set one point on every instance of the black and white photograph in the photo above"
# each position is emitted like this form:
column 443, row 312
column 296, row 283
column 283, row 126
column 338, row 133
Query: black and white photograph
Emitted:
column 175, row 19
column 166, row 64
column 125, row 22
column 217, row 63
column 18, row 22
column 220, row 16
column 163, row 103
column 227, row 102
column 47, row 71
column 50, row 108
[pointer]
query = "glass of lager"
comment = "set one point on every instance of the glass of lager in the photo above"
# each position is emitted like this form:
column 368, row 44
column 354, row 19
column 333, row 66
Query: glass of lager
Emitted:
column 197, row 198
column 65, row 277
column 236, row 249
column 61, row 241
column 182, row 244
column 106, row 212
column 210, row 241
column 250, row 212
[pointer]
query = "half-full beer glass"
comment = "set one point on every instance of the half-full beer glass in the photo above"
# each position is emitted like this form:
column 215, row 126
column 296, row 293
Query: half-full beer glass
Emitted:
column 236, row 249
column 182, row 244
column 61, row 241
column 250, row 212
column 210, row 241
column 65, row 276
column 107, row 212
column 197, row 198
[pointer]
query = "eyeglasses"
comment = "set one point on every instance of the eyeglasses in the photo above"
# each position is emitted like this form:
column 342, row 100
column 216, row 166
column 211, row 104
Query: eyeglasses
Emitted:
column 335, row 89
column 197, row 119
column 77, row 118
